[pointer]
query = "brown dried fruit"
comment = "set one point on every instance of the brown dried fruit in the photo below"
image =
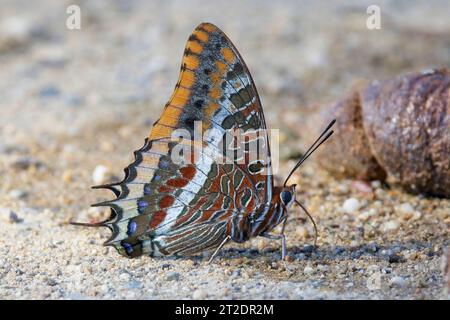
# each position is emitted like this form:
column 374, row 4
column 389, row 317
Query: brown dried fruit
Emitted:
column 407, row 123
column 348, row 152
column 400, row 127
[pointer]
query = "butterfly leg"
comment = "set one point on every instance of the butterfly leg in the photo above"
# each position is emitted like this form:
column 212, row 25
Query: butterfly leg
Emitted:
column 279, row 236
column 218, row 249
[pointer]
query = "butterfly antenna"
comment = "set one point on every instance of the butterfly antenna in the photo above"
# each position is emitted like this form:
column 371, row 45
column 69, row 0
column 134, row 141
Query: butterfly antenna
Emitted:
column 313, row 148
column 312, row 220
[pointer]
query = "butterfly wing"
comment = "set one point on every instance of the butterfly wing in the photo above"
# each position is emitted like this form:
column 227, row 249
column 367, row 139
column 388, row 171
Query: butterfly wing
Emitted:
column 171, row 207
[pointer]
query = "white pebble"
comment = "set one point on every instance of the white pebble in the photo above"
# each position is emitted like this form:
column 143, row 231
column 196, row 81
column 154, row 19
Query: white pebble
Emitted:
column 351, row 205
column 173, row 276
column 104, row 288
column 365, row 215
column 391, row 225
column 406, row 208
column 322, row 268
column 417, row 215
column 373, row 268
column 15, row 30
column 375, row 184
column 308, row 270
column 130, row 295
column 17, row 194
column 124, row 276
column 199, row 294
column 100, row 174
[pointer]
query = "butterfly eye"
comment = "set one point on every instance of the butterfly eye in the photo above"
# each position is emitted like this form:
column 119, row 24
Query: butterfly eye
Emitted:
column 286, row 196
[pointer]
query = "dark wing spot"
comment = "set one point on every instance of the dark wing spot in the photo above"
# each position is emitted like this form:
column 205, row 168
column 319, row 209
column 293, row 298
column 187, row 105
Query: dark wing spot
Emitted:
column 132, row 227
column 163, row 164
column 199, row 104
column 189, row 122
column 260, row 185
column 193, row 37
column 147, row 189
column 246, row 197
column 142, row 205
column 256, row 167
column 224, row 85
column 238, row 68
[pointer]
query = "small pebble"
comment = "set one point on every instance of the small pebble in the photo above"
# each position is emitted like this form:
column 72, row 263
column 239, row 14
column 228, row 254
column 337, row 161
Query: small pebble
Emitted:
column 322, row 268
column 67, row 176
column 103, row 288
column 406, row 208
column 124, row 276
column 7, row 215
column 100, row 175
column 372, row 247
column 15, row 31
column 173, row 276
column 373, row 268
column 308, row 248
column 301, row 232
column 395, row 258
column 24, row 163
column 391, row 225
column 52, row 282
column 343, row 189
column 375, row 184
column 289, row 258
column 49, row 91
column 398, row 281
column 362, row 186
column 308, row 270
column 351, row 205
column 366, row 215
column 416, row 215
column 199, row 294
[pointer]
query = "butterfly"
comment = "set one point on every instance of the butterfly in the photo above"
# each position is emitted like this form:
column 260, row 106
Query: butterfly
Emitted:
column 168, row 207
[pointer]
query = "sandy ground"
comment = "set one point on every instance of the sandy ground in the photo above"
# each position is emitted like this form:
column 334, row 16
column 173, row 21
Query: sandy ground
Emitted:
column 73, row 100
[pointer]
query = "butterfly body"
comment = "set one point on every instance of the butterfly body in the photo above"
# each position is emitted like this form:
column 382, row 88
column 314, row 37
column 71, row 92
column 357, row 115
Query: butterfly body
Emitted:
column 165, row 206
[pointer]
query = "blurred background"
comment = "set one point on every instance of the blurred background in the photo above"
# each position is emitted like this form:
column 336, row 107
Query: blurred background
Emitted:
column 127, row 53
column 101, row 87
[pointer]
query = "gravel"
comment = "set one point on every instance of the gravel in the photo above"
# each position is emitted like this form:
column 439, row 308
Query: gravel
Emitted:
column 351, row 205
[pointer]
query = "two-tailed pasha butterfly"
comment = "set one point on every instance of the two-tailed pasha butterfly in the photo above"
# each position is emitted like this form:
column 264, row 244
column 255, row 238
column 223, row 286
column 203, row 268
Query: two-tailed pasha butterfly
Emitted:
column 164, row 207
